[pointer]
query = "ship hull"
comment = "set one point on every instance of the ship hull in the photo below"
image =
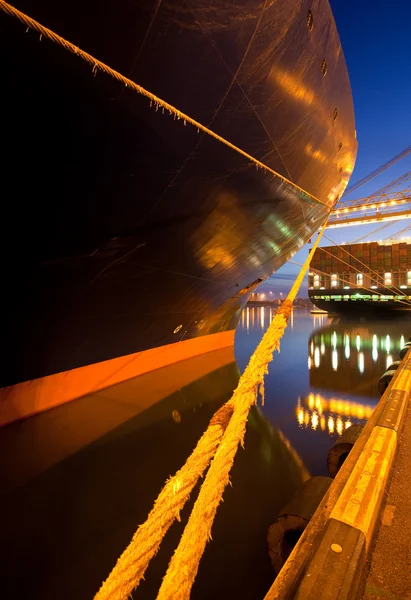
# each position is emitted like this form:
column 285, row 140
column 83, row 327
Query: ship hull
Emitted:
column 126, row 230
column 380, row 301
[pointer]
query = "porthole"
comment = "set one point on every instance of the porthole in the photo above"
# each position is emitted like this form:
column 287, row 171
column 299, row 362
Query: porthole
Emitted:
column 324, row 68
column 310, row 21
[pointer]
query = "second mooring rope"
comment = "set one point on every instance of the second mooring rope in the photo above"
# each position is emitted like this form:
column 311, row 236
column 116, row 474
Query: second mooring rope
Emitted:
column 184, row 565
column 97, row 65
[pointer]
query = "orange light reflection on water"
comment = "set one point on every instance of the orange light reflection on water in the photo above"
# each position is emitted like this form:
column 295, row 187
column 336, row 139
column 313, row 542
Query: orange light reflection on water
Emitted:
column 331, row 414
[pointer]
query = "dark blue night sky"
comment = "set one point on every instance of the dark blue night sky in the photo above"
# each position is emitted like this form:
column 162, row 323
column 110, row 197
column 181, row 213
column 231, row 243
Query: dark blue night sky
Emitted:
column 375, row 37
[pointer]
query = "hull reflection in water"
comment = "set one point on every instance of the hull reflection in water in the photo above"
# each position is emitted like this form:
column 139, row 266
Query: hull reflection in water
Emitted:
column 75, row 489
column 260, row 316
column 351, row 357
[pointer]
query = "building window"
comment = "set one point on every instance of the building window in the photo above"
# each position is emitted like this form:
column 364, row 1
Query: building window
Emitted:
column 316, row 281
column 334, row 281
column 409, row 279
column 387, row 279
column 360, row 279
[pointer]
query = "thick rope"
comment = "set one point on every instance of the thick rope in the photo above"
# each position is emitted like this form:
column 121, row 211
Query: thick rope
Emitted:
column 132, row 564
column 183, row 566
column 134, row 561
column 158, row 102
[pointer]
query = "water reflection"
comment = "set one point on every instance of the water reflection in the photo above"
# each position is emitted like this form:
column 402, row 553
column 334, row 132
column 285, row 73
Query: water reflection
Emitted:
column 325, row 377
column 333, row 415
column 260, row 316
column 351, row 357
column 319, row 320
column 80, row 478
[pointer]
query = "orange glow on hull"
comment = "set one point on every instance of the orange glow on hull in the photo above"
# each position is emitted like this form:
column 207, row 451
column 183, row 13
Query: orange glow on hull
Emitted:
column 30, row 397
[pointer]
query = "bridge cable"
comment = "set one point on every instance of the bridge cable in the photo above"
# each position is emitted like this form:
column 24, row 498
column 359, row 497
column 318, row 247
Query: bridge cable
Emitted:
column 375, row 292
column 348, row 282
column 377, row 171
column 373, row 232
column 376, row 273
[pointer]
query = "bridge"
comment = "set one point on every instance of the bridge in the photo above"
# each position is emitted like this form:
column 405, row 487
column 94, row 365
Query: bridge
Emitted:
column 377, row 208
column 386, row 204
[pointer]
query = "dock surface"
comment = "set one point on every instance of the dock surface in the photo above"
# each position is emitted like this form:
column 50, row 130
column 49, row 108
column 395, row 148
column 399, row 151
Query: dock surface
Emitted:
column 388, row 570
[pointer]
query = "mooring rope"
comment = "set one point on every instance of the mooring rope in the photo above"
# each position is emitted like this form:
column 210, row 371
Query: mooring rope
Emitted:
column 132, row 564
column 184, row 565
column 226, row 429
column 158, row 102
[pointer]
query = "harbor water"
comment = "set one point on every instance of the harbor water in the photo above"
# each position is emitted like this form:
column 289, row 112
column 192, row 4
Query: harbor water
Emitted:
column 76, row 481
column 325, row 377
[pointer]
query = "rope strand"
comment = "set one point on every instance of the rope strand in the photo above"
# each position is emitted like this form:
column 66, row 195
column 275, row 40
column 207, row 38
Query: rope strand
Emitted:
column 132, row 564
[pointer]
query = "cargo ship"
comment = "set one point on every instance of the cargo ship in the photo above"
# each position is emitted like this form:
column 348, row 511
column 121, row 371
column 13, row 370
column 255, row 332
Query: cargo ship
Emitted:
column 362, row 279
column 131, row 241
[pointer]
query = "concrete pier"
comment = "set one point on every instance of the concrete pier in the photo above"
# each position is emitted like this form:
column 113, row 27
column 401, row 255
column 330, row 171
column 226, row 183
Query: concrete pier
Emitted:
column 387, row 573
column 357, row 543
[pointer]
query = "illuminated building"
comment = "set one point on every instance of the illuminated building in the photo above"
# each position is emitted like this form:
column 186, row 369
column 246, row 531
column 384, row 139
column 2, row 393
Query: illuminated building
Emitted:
column 374, row 274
